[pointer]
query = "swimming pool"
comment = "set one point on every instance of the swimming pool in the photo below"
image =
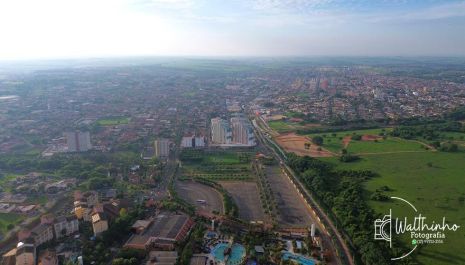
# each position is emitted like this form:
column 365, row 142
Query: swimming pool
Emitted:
column 298, row 258
column 236, row 256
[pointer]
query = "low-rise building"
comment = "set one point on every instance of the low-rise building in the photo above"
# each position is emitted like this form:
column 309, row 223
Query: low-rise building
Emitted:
column 65, row 226
column 99, row 223
column 42, row 233
column 160, row 232
column 25, row 254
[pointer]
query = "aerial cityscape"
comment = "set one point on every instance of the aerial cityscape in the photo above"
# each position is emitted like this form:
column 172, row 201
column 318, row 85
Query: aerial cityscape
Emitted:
column 239, row 135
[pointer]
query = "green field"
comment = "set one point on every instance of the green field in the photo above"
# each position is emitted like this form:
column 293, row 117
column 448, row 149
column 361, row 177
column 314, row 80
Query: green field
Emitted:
column 333, row 141
column 8, row 218
column 113, row 121
column 385, row 146
column 217, row 165
column 436, row 189
column 283, row 126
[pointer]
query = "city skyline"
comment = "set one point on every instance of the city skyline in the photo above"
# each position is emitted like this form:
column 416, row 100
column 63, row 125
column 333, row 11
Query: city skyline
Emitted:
column 53, row 29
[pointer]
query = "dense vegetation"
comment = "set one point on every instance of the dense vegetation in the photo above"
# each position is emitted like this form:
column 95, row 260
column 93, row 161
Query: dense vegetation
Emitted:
column 442, row 136
column 342, row 194
column 98, row 250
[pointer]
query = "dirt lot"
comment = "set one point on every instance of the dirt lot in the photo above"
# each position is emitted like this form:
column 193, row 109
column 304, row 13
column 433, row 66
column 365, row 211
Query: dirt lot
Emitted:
column 247, row 198
column 365, row 137
column 346, row 141
column 291, row 208
column 370, row 137
column 292, row 142
column 192, row 191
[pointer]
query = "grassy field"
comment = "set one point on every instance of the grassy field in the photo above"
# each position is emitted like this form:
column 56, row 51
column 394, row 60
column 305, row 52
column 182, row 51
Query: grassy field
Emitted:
column 8, row 218
column 113, row 121
column 7, row 177
column 384, row 146
column 217, row 165
column 334, row 141
column 434, row 182
column 282, row 126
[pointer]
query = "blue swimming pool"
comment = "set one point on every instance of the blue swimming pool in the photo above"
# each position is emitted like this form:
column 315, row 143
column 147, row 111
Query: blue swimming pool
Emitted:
column 235, row 257
column 298, row 258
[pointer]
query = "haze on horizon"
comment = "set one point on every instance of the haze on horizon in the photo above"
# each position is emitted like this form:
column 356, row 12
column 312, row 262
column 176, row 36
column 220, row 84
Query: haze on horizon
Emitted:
column 102, row 28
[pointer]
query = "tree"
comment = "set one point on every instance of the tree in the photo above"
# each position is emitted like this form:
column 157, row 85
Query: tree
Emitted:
column 318, row 140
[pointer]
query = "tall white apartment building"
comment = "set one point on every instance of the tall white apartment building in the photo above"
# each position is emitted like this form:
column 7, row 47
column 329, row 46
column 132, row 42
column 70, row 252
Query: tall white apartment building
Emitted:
column 162, row 147
column 242, row 132
column 78, row 141
column 220, row 131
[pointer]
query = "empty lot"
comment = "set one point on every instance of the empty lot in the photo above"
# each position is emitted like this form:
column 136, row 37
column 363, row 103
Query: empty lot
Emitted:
column 191, row 191
column 292, row 210
column 246, row 196
column 294, row 143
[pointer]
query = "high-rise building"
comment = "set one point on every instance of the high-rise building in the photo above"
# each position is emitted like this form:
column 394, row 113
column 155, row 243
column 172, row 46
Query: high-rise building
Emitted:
column 242, row 132
column 221, row 132
column 199, row 141
column 187, row 142
column 78, row 141
column 192, row 141
column 162, row 147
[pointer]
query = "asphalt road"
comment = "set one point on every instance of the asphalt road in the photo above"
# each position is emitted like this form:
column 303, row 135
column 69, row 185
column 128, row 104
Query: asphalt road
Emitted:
column 191, row 191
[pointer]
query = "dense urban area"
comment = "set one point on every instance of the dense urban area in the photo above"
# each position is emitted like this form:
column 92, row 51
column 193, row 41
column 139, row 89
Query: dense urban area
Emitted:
column 184, row 161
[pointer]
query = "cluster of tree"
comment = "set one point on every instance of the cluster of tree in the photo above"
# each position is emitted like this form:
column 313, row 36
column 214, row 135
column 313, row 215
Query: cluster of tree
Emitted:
column 457, row 114
column 318, row 140
column 194, row 241
column 177, row 202
column 346, row 158
column 435, row 133
column 120, row 228
column 341, row 124
column 449, row 147
column 84, row 166
column 98, row 250
column 429, row 132
column 341, row 193
column 334, row 129
column 129, row 257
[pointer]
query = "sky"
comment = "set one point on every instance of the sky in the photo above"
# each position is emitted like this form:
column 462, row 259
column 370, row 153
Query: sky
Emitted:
column 32, row 29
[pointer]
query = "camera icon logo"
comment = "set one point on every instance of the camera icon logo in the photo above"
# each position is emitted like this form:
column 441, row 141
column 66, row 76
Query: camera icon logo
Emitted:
column 383, row 228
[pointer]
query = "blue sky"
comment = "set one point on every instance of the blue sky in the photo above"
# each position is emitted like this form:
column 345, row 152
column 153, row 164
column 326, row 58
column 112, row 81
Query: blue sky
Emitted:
column 88, row 28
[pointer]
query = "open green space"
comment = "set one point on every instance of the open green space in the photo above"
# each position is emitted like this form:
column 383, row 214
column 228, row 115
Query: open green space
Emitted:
column 7, row 219
column 216, row 165
column 334, row 141
column 432, row 181
column 385, row 146
column 5, row 178
column 113, row 121
column 283, row 126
